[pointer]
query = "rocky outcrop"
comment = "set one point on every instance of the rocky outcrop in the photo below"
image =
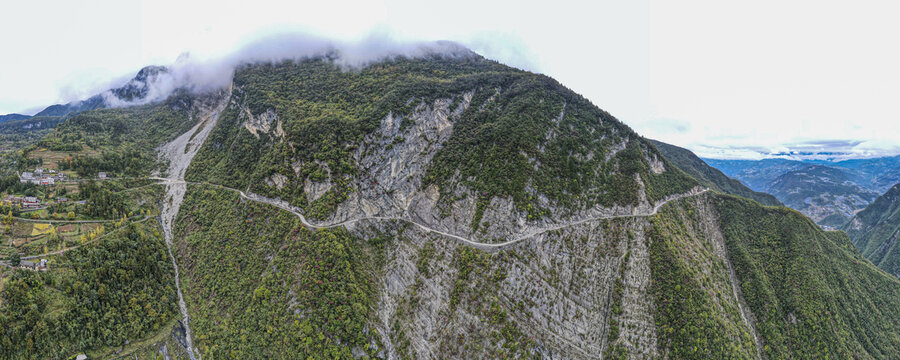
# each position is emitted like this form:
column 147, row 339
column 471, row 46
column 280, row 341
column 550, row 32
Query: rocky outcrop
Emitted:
column 264, row 123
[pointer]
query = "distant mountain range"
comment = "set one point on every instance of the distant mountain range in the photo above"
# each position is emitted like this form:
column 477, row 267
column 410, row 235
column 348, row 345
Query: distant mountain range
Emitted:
column 826, row 195
column 425, row 208
column 709, row 176
column 13, row 117
column 135, row 89
column 828, row 192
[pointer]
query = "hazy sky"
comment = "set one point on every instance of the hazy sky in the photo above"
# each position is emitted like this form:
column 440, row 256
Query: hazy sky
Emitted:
column 723, row 78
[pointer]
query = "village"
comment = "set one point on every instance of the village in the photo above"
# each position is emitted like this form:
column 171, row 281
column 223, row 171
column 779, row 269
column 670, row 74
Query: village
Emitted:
column 50, row 211
column 43, row 177
column 55, row 220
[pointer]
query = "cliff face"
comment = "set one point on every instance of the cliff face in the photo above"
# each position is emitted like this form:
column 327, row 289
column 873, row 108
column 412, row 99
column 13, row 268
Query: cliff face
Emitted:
column 486, row 215
column 458, row 208
column 576, row 292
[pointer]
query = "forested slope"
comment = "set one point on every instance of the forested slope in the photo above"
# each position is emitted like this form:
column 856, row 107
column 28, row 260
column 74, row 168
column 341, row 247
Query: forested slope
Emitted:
column 94, row 297
column 874, row 231
column 710, row 176
column 813, row 294
column 457, row 208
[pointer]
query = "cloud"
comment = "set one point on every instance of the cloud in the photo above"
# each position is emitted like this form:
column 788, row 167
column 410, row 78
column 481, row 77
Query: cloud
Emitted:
column 829, row 149
column 665, row 126
column 202, row 75
column 506, row 48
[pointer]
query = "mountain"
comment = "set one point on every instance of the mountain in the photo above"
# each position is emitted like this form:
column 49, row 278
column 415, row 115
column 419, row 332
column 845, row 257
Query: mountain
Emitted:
column 444, row 206
column 824, row 194
column 12, row 117
column 756, row 174
column 709, row 176
column 878, row 174
column 830, row 194
column 135, row 90
column 33, row 123
column 139, row 87
column 62, row 110
column 874, row 231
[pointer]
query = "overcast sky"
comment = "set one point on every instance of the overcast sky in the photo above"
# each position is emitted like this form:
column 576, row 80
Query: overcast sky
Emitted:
column 723, row 78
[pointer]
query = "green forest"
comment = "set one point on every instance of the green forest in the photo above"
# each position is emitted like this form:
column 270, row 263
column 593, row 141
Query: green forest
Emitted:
column 326, row 113
column 813, row 294
column 95, row 296
column 279, row 288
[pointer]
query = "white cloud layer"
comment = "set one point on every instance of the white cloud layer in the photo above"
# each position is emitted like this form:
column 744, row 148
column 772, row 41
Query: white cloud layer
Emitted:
column 725, row 79
column 201, row 75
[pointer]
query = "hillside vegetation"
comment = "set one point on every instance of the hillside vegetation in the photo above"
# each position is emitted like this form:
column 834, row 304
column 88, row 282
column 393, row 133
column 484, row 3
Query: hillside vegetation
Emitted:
column 96, row 296
column 521, row 135
column 813, row 294
column 444, row 207
column 874, row 231
column 709, row 176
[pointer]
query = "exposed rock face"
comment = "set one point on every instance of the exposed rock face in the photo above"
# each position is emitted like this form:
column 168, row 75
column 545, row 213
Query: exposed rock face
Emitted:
column 277, row 180
column 574, row 284
column 573, row 276
column 656, row 165
column 315, row 190
column 265, row 123
column 394, row 158
column 638, row 334
column 393, row 161
column 558, row 289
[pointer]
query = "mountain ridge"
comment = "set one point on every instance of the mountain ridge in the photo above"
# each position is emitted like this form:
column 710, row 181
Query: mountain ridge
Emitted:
column 468, row 147
column 825, row 194
column 874, row 231
column 709, row 176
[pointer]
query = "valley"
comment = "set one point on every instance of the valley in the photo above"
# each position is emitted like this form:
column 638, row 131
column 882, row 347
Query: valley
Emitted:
column 829, row 192
column 437, row 206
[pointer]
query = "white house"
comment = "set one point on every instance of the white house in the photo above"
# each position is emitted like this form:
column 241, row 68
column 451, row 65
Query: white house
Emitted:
column 101, row 175
column 31, row 201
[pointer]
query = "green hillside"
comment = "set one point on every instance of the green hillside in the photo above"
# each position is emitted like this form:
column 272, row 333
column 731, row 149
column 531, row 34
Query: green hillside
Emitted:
column 510, row 141
column 710, row 176
column 813, row 294
column 96, row 297
column 874, row 231
column 439, row 207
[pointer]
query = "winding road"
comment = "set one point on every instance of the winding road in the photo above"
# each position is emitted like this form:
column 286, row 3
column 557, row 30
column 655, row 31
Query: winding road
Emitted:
column 477, row 244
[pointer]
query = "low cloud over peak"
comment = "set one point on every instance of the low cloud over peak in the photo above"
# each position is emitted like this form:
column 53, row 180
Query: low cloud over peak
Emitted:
column 155, row 83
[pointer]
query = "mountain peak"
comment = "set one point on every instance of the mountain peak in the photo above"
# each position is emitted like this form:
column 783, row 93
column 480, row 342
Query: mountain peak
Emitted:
column 138, row 88
column 148, row 71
